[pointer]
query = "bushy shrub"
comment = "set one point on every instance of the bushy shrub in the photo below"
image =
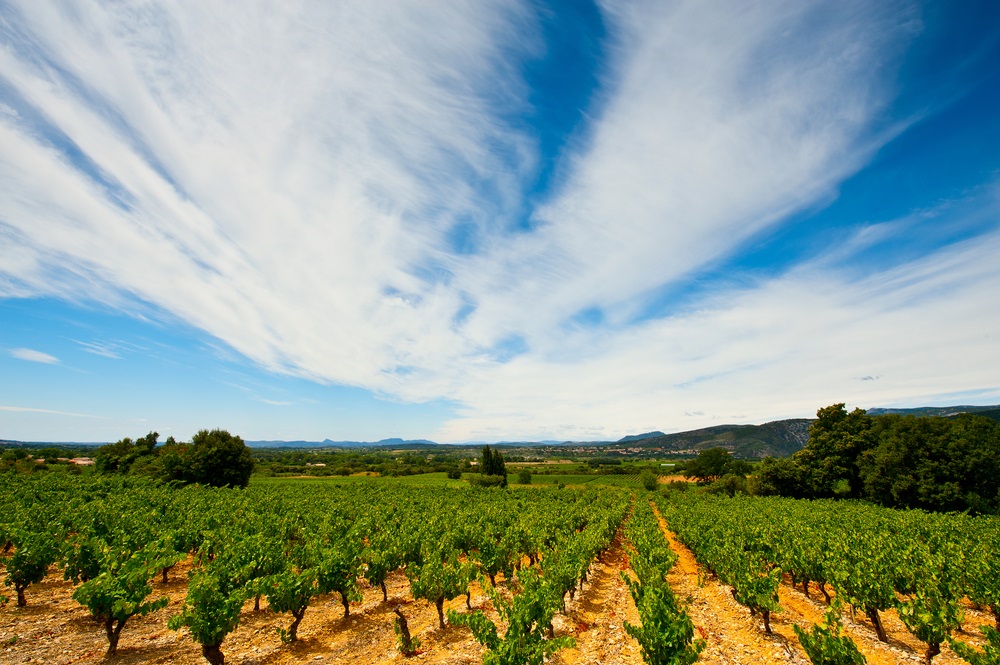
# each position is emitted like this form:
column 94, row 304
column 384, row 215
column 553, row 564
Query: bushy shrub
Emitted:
column 649, row 479
column 729, row 484
column 480, row 480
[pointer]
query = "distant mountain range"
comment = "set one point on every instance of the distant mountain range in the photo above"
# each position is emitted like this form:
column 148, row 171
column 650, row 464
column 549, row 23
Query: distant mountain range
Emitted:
column 327, row 443
column 639, row 437
column 775, row 439
column 780, row 438
column 988, row 411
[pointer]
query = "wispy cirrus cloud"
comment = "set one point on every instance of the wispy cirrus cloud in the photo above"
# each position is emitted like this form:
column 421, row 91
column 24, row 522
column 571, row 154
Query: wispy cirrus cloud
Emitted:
column 289, row 181
column 50, row 412
column 274, row 402
column 781, row 348
column 280, row 198
column 722, row 120
column 104, row 349
column 31, row 355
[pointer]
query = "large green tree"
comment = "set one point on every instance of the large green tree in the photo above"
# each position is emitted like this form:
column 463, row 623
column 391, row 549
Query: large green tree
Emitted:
column 712, row 464
column 830, row 459
column 780, row 477
column 121, row 455
column 493, row 465
column 220, row 459
column 934, row 463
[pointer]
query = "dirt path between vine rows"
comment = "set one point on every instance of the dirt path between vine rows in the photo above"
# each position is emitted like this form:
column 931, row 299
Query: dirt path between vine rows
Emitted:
column 731, row 633
column 734, row 636
column 595, row 618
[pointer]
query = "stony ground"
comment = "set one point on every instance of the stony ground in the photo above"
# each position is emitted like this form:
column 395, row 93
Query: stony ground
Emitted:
column 54, row 629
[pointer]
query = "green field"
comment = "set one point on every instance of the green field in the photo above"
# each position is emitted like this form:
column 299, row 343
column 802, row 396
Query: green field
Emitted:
column 442, row 480
column 555, row 479
column 420, row 480
column 618, row 480
column 588, row 479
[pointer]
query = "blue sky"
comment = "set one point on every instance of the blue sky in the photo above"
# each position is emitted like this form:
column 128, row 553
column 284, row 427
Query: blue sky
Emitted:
column 493, row 220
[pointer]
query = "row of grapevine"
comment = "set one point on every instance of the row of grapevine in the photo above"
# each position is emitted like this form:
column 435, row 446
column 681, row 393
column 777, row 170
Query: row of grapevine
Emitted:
column 735, row 551
column 563, row 566
column 294, row 543
column 666, row 632
column 920, row 564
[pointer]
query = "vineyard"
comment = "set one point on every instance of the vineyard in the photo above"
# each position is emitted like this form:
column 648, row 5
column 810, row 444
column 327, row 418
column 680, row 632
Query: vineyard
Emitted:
column 931, row 572
column 365, row 571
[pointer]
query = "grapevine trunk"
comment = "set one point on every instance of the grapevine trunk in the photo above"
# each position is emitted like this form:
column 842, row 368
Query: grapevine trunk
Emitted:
column 213, row 654
column 293, row 630
column 877, row 624
column 406, row 642
column 114, row 632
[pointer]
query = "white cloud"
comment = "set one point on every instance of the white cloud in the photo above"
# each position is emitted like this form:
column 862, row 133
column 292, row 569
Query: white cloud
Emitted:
column 725, row 118
column 34, row 356
column 285, row 179
column 284, row 176
column 780, row 349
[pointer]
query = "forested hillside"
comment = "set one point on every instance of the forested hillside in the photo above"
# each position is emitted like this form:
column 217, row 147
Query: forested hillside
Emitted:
column 780, row 438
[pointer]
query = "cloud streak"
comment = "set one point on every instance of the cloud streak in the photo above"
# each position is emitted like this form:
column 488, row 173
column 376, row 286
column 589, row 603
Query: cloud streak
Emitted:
column 31, row 355
column 49, row 412
column 272, row 402
column 105, row 350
